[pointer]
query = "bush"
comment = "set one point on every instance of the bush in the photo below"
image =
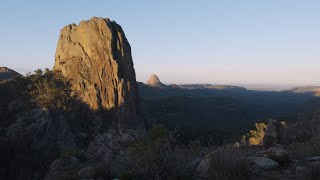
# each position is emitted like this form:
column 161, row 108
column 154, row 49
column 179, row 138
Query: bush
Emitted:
column 49, row 89
column 228, row 163
column 255, row 137
column 302, row 150
column 308, row 147
column 158, row 157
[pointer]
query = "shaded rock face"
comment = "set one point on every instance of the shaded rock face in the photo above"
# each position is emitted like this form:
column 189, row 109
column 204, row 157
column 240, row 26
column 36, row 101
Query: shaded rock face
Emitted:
column 6, row 73
column 96, row 57
column 205, row 166
column 274, row 134
column 154, row 81
column 277, row 154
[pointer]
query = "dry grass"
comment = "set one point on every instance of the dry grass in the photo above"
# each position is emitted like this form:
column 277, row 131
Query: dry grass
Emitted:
column 156, row 157
column 302, row 150
column 307, row 148
column 313, row 173
column 229, row 164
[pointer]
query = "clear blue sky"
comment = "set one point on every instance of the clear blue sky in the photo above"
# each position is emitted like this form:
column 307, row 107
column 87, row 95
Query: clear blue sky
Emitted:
column 182, row 41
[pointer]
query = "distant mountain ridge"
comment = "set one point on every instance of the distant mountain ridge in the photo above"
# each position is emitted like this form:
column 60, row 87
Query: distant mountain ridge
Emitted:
column 154, row 81
column 6, row 73
column 206, row 107
column 306, row 89
column 210, row 86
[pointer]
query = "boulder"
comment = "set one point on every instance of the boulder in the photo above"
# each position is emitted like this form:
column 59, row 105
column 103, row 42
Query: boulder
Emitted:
column 88, row 172
column 273, row 135
column 57, row 170
column 277, row 154
column 104, row 146
column 205, row 166
column 265, row 163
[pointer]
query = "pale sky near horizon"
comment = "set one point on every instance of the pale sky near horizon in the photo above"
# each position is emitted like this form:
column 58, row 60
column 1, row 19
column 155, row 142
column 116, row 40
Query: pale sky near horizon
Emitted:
column 182, row 41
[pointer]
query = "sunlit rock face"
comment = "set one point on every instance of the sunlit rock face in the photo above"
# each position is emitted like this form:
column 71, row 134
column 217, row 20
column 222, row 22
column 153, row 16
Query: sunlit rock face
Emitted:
column 96, row 57
column 154, row 81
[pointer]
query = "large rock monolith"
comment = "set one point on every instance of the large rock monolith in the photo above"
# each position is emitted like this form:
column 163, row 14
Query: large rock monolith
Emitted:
column 96, row 57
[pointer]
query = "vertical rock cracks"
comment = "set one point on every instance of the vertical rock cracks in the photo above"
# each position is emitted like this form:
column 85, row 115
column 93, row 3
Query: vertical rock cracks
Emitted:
column 96, row 57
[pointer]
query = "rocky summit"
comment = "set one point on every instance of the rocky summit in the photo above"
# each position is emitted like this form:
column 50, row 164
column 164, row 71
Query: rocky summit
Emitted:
column 154, row 81
column 96, row 57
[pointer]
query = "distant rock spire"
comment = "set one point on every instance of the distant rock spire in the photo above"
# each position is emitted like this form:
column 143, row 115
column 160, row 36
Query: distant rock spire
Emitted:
column 154, row 81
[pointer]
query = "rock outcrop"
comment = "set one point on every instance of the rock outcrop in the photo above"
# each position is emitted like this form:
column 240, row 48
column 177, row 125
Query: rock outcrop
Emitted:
column 96, row 112
column 154, row 81
column 96, row 57
column 277, row 154
column 266, row 163
column 6, row 73
column 273, row 135
column 175, row 86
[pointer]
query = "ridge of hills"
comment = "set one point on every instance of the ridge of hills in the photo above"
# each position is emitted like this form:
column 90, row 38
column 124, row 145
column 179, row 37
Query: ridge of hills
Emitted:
column 203, row 108
column 307, row 89
column 6, row 73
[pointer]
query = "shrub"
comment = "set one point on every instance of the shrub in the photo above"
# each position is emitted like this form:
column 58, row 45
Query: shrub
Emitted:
column 49, row 89
column 302, row 150
column 229, row 163
column 158, row 157
column 255, row 137
column 308, row 147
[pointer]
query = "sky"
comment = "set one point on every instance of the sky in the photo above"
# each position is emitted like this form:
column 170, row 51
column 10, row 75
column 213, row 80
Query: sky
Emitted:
column 182, row 41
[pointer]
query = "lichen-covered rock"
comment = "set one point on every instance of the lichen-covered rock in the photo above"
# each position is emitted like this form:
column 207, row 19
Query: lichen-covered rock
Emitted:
column 266, row 163
column 96, row 57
